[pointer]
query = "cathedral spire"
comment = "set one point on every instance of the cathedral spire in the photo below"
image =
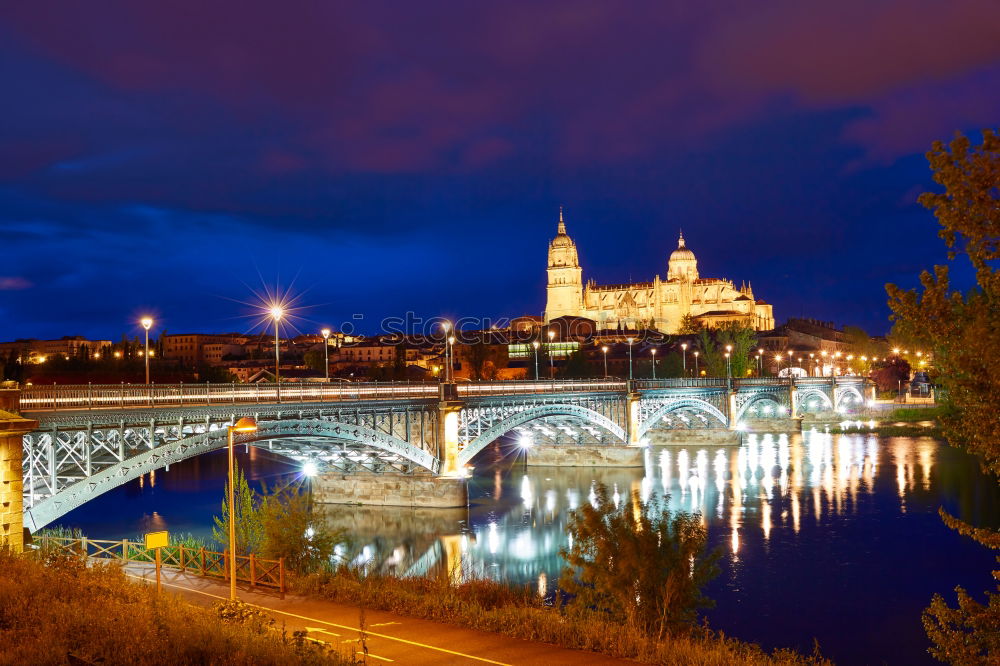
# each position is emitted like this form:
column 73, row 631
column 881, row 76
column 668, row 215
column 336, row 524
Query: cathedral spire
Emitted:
column 680, row 240
column 562, row 224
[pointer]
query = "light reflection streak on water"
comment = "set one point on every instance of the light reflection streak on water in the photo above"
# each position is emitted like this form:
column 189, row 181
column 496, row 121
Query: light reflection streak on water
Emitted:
column 751, row 494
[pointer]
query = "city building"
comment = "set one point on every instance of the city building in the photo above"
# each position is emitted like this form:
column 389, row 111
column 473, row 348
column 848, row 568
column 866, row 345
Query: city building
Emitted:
column 661, row 304
column 203, row 348
column 39, row 351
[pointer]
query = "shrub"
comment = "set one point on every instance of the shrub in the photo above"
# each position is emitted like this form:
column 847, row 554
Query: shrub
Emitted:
column 54, row 609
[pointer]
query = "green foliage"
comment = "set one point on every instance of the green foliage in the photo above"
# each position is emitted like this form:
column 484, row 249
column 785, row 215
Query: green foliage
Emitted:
column 519, row 612
column 290, row 530
column 963, row 332
column 689, row 325
column 637, row 565
column 739, row 337
column 314, row 359
column 249, row 530
column 54, row 609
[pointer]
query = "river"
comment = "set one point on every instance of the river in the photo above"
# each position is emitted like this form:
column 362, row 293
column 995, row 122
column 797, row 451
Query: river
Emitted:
column 833, row 538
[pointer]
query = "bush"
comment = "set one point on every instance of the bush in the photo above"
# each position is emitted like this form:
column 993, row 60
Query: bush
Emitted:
column 54, row 609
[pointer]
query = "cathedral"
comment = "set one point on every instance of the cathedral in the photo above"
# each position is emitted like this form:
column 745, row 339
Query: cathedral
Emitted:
column 660, row 304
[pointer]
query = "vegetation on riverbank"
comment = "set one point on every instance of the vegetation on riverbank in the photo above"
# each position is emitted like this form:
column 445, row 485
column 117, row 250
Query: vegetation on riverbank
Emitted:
column 631, row 589
column 488, row 605
column 54, row 609
column 963, row 331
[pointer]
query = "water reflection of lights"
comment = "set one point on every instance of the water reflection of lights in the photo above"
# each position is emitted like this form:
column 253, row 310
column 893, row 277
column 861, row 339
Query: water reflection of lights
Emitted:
column 747, row 496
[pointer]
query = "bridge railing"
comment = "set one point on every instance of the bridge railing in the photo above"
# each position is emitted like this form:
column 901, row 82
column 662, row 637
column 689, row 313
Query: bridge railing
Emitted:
column 517, row 387
column 679, row 382
column 258, row 572
column 36, row 398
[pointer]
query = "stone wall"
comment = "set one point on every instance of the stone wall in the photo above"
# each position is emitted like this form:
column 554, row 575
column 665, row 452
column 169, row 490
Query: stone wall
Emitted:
column 773, row 425
column 422, row 490
column 712, row 436
column 12, row 430
column 585, row 456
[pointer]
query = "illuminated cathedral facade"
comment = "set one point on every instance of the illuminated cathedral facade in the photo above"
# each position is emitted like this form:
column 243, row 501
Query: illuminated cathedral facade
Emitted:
column 661, row 304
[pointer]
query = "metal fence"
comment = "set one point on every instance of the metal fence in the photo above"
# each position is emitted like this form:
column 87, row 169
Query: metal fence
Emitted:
column 258, row 572
column 36, row 398
column 512, row 387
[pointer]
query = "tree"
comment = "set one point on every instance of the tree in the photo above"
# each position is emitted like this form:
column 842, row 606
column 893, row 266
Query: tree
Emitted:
column 963, row 333
column 576, row 367
column 741, row 338
column 290, row 530
column 638, row 565
column 249, row 531
column 314, row 359
column 689, row 325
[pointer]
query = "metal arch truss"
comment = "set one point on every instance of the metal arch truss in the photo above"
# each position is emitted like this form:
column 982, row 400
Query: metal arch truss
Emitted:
column 842, row 394
column 681, row 412
column 581, row 421
column 76, row 458
column 813, row 392
column 750, row 401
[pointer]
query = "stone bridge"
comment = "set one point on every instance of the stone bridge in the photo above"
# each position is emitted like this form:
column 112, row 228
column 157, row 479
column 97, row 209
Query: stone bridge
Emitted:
column 77, row 442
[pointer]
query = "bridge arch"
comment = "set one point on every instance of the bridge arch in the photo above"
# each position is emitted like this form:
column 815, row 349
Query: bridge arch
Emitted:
column 66, row 499
column 693, row 404
column 843, row 392
column 757, row 400
column 805, row 397
column 528, row 414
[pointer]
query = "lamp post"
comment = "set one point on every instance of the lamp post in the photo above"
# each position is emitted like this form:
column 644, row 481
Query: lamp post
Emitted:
column 696, row 363
column 653, row 352
column 245, row 424
column 552, row 367
column 276, row 313
column 447, row 350
column 605, row 350
column 684, row 357
column 451, row 357
column 326, row 353
column 630, row 340
column 147, row 323
column 729, row 353
column 760, row 362
column 534, row 343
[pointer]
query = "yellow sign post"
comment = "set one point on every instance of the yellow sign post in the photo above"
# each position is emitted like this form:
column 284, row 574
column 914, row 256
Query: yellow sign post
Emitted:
column 156, row 541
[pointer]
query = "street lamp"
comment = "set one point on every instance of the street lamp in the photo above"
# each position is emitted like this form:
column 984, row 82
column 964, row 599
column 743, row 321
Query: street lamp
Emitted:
column 276, row 313
column 245, row 424
column 630, row 340
column 447, row 350
column 684, row 357
column 695, row 363
column 653, row 352
column 729, row 368
column 605, row 350
column 552, row 367
column 326, row 353
column 451, row 356
column 147, row 323
column 534, row 343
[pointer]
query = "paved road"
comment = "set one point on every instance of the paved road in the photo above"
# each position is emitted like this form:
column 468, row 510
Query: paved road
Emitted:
column 389, row 638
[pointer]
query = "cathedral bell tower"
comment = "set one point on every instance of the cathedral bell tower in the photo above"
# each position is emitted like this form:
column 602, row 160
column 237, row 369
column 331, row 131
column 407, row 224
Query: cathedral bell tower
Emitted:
column 565, row 285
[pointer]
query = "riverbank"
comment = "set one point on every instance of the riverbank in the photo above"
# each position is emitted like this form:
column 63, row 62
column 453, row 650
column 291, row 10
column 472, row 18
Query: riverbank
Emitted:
column 56, row 609
column 902, row 422
column 520, row 613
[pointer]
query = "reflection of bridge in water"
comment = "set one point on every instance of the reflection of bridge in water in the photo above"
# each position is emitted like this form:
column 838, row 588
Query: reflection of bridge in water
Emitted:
column 89, row 439
column 770, row 483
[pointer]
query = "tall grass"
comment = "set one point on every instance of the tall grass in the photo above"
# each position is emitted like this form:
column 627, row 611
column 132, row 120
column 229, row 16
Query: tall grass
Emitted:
column 520, row 613
column 54, row 609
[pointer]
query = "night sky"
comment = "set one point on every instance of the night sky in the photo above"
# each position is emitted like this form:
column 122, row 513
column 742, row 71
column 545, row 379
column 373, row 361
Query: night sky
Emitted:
column 167, row 157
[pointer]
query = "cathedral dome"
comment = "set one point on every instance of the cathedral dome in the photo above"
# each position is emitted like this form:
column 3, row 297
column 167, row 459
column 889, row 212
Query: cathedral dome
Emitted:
column 562, row 249
column 682, row 264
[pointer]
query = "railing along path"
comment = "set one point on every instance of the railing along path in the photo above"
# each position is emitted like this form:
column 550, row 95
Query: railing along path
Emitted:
column 258, row 572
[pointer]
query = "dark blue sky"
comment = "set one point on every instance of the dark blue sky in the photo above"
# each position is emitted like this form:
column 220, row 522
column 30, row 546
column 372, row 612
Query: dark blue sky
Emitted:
column 412, row 156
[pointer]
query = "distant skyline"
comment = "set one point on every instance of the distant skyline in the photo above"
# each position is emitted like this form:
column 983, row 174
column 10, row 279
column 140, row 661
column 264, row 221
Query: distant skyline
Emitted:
column 163, row 158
